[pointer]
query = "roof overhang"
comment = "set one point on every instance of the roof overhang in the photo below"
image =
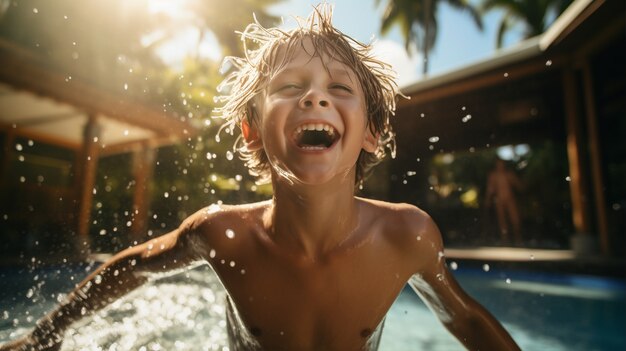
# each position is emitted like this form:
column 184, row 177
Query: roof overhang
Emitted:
column 38, row 102
column 532, row 50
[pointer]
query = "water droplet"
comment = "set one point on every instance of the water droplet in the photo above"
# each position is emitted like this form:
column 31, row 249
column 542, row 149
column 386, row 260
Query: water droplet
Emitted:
column 433, row 139
column 83, row 311
column 508, row 280
column 229, row 155
column 30, row 293
column 532, row 257
column 212, row 253
column 411, row 173
column 230, row 233
column 35, row 10
column 116, row 273
column 150, row 246
column 440, row 277
column 18, row 147
column 243, row 271
column 506, row 74
column 97, row 279
column 466, row 118
column 486, row 267
column 419, row 237
column 125, row 86
column 166, row 194
column 454, row 266
column 133, row 262
column 232, row 263
column 567, row 179
column 549, row 63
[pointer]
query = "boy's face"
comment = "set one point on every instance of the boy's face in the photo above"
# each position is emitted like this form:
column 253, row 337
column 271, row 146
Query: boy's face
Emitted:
column 313, row 122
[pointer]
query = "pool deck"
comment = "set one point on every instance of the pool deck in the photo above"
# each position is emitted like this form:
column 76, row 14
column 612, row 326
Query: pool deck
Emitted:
column 541, row 259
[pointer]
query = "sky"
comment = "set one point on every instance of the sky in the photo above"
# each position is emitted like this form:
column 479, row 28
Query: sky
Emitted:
column 459, row 42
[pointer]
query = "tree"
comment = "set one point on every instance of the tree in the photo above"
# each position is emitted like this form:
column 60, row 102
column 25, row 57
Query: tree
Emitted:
column 418, row 22
column 534, row 15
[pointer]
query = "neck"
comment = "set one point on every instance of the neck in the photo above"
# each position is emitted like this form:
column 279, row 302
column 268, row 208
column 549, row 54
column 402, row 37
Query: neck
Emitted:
column 312, row 220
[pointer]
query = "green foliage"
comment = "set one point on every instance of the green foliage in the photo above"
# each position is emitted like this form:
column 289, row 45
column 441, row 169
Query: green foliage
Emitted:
column 113, row 46
column 418, row 23
column 535, row 16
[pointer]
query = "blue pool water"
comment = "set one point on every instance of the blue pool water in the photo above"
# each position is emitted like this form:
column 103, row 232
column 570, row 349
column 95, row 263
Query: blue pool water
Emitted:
column 185, row 312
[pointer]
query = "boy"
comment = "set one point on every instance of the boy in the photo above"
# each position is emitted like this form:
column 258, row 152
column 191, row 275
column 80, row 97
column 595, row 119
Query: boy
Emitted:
column 314, row 268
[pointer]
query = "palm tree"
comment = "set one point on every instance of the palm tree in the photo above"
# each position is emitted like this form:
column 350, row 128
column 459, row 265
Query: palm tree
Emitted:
column 418, row 22
column 534, row 15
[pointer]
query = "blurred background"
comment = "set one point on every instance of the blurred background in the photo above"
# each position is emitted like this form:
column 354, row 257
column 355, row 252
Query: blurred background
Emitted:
column 107, row 135
column 512, row 139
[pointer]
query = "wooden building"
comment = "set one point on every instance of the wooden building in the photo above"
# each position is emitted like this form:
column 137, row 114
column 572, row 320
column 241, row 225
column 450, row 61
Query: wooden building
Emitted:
column 566, row 89
column 53, row 129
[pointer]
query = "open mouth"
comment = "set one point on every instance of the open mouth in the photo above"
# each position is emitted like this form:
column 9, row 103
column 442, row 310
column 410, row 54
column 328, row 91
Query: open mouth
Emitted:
column 315, row 136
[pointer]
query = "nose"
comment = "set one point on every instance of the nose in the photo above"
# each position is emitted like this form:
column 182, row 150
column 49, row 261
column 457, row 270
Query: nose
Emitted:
column 313, row 98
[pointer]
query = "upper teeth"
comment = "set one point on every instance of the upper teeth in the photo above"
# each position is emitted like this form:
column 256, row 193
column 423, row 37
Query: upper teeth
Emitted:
column 316, row 126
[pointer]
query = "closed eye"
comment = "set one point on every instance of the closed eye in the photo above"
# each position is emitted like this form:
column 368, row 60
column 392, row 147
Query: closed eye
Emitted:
column 289, row 86
column 341, row 87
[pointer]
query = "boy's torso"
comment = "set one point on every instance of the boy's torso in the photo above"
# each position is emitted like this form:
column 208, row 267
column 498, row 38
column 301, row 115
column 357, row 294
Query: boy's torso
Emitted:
column 335, row 303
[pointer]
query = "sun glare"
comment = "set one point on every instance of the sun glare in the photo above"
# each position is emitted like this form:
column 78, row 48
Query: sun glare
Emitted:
column 173, row 8
column 183, row 41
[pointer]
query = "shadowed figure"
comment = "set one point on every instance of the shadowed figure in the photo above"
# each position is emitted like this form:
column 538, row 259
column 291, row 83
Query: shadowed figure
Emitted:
column 502, row 185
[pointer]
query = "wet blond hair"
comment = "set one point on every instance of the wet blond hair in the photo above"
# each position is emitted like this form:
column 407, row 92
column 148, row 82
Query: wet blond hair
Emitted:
column 272, row 49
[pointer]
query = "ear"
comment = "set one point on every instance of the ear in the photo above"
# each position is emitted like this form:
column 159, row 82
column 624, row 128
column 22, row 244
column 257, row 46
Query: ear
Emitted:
column 251, row 136
column 370, row 141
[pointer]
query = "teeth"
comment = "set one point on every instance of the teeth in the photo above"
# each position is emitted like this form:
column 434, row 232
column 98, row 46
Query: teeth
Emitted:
column 317, row 127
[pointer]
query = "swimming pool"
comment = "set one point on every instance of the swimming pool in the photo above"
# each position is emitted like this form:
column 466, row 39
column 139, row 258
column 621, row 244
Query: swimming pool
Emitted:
column 185, row 312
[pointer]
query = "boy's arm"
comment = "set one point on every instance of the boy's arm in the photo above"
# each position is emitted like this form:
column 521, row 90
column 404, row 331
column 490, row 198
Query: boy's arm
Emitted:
column 465, row 318
column 121, row 274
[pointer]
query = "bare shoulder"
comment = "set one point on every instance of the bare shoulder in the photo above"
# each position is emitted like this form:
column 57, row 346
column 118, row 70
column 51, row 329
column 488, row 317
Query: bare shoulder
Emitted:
column 223, row 226
column 406, row 219
column 220, row 215
column 410, row 229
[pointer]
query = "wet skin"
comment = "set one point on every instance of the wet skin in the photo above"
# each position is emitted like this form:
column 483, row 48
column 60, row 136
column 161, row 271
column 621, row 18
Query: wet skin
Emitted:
column 315, row 268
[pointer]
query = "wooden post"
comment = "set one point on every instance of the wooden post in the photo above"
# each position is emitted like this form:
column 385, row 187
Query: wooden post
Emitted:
column 595, row 158
column 87, row 164
column 8, row 151
column 143, row 168
column 578, row 188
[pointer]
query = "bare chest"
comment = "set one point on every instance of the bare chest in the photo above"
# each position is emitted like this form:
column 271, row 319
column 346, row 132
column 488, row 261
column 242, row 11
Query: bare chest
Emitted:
column 336, row 305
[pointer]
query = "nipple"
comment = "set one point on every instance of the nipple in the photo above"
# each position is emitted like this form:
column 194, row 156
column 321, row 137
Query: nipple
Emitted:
column 366, row 332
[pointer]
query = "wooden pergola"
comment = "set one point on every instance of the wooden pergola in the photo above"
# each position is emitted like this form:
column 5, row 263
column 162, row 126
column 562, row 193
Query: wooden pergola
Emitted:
column 528, row 92
column 41, row 104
